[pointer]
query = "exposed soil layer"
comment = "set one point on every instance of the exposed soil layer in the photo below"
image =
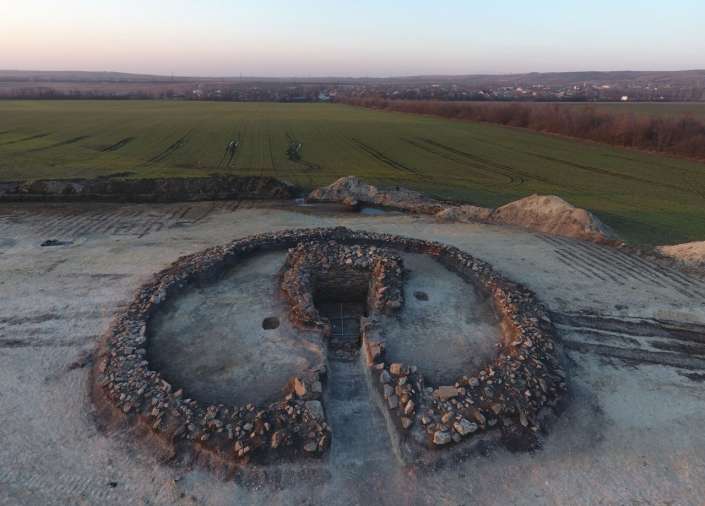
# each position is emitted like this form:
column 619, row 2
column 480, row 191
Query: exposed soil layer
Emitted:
column 542, row 213
column 223, row 343
column 443, row 319
column 690, row 254
column 147, row 190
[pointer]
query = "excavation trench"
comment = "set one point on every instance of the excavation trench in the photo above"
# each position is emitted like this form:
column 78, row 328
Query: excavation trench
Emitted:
column 360, row 435
column 268, row 325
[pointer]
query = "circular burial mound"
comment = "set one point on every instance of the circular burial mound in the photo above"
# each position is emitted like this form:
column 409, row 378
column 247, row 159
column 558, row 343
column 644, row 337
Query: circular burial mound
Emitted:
column 225, row 353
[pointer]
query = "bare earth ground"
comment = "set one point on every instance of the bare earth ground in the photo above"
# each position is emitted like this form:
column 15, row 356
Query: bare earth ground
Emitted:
column 632, row 433
column 436, row 334
column 211, row 341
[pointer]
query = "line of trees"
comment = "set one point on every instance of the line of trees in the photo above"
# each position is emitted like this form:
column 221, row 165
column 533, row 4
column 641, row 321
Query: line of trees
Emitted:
column 679, row 135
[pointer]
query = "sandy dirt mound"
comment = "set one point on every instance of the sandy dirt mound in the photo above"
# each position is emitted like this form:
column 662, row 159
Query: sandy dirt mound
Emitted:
column 691, row 254
column 542, row 213
column 553, row 215
column 351, row 190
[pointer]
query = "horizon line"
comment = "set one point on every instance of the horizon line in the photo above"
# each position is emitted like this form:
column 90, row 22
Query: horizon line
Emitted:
column 398, row 76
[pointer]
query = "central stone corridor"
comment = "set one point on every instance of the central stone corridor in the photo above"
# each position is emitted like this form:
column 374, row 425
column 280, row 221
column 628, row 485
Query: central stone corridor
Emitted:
column 360, row 436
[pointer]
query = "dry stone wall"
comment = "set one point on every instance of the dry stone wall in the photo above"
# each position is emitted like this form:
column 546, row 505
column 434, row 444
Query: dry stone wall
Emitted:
column 509, row 393
column 330, row 269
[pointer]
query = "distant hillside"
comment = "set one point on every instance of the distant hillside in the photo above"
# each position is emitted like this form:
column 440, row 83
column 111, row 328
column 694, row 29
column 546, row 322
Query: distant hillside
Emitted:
column 79, row 76
column 681, row 77
column 650, row 86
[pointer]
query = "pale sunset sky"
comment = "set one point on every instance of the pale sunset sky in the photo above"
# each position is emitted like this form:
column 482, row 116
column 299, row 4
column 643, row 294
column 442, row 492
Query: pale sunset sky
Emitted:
column 361, row 38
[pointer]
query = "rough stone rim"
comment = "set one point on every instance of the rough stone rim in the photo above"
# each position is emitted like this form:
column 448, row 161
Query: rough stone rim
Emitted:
column 309, row 261
column 124, row 387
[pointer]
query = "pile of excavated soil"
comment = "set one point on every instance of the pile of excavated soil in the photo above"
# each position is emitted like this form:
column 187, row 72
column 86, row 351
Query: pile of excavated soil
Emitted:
column 351, row 190
column 691, row 254
column 542, row 213
column 553, row 215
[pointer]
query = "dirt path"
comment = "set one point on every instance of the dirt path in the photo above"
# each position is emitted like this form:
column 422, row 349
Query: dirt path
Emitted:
column 360, row 437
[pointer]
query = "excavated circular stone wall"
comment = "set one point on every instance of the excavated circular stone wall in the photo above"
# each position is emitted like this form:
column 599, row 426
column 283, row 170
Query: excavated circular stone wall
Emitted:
column 509, row 393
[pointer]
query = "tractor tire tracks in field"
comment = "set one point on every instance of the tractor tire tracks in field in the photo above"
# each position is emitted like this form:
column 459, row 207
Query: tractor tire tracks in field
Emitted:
column 168, row 151
column 684, row 173
column 386, row 160
column 519, row 176
column 118, row 145
column 466, row 159
column 308, row 167
column 605, row 172
column 67, row 142
column 271, row 155
column 589, row 168
column 25, row 139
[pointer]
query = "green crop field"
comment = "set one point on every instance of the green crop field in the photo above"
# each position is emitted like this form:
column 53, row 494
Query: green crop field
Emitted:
column 663, row 109
column 646, row 198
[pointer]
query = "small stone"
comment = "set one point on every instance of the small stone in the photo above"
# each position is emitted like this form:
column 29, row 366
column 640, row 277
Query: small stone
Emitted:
column 441, row 438
column 398, row 369
column 409, row 408
column 445, row 392
column 388, row 391
column 278, row 438
column 478, row 416
column 311, row 446
column 465, row 427
column 393, row 402
column 406, row 422
column 316, row 409
column 300, row 387
column 385, row 377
